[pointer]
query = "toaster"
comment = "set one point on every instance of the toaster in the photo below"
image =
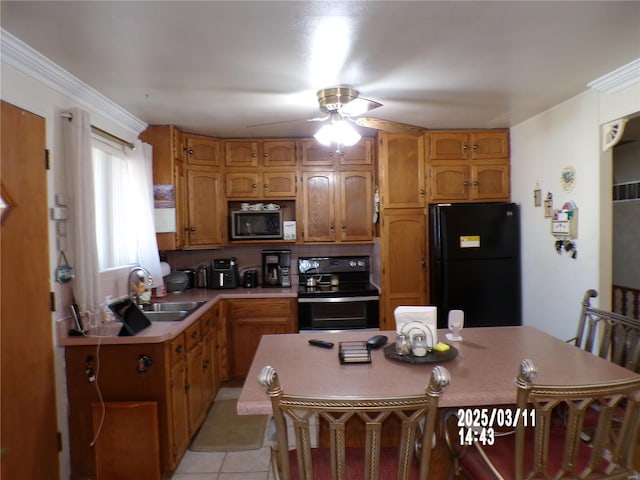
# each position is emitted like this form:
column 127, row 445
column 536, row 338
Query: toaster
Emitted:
column 223, row 273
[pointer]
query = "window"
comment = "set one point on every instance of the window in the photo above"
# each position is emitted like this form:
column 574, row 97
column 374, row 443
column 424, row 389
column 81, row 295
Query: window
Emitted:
column 115, row 208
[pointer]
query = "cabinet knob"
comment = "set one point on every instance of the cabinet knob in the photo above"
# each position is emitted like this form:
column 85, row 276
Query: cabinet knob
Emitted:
column 254, row 185
column 266, row 155
column 344, row 227
column 190, row 151
column 332, row 227
column 192, row 229
column 466, row 184
column 179, row 349
column 194, row 335
column 266, row 186
column 474, row 147
column 422, row 192
column 465, row 147
column 475, row 184
column 254, row 154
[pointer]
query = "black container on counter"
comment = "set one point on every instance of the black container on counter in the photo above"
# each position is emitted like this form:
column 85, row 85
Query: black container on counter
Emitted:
column 250, row 279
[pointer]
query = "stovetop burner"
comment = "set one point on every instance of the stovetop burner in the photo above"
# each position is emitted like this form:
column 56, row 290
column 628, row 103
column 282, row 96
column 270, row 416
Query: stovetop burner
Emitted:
column 334, row 277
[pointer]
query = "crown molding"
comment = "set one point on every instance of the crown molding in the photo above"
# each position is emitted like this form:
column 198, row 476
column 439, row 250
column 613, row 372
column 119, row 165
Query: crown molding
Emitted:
column 32, row 63
column 619, row 79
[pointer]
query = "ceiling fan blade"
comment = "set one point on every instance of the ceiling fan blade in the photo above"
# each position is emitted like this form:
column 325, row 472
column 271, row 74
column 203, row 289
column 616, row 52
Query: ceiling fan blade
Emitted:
column 287, row 122
column 388, row 126
column 358, row 106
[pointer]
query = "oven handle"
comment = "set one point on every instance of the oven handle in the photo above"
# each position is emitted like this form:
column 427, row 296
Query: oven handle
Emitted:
column 337, row 299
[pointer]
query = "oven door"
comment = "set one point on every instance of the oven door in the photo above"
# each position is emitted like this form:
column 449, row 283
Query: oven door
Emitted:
column 338, row 313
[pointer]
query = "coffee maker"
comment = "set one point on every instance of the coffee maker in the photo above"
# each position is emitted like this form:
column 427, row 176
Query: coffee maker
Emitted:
column 275, row 268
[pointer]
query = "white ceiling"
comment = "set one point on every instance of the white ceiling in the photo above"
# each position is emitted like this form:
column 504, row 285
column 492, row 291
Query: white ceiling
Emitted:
column 216, row 68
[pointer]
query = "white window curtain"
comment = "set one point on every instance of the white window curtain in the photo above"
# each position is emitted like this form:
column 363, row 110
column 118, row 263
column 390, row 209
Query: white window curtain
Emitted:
column 96, row 218
column 76, row 132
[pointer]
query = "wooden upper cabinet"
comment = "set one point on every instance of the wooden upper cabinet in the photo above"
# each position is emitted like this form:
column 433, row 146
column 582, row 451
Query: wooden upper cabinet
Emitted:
column 205, row 222
column 279, row 184
column 318, row 193
column 468, row 144
column 250, row 185
column 402, row 170
column 241, row 153
column 356, row 206
column 276, row 153
column 316, row 154
column 203, row 151
column 263, row 153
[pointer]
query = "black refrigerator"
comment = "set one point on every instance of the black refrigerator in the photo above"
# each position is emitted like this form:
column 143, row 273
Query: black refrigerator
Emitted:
column 475, row 263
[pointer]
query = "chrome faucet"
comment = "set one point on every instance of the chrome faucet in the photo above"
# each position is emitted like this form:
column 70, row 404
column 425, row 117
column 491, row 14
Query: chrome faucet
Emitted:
column 136, row 276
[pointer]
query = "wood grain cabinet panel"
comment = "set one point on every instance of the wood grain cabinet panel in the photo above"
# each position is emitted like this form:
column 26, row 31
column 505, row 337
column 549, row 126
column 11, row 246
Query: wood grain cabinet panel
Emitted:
column 402, row 171
column 204, row 151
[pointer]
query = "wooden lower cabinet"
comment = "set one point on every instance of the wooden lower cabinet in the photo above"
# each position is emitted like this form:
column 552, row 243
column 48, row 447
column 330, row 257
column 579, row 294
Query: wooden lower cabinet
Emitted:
column 176, row 374
column 249, row 319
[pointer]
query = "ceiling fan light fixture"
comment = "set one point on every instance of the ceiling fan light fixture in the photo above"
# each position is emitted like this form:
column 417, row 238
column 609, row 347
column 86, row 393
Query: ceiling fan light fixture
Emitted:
column 339, row 132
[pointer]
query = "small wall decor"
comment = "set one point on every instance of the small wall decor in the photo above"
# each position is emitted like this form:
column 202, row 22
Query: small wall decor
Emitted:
column 548, row 205
column 537, row 196
column 568, row 179
column 564, row 227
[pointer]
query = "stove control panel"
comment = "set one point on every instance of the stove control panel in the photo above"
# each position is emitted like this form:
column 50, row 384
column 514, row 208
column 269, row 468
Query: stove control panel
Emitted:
column 320, row 265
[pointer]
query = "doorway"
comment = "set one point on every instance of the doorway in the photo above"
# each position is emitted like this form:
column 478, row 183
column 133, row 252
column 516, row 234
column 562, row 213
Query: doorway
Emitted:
column 626, row 224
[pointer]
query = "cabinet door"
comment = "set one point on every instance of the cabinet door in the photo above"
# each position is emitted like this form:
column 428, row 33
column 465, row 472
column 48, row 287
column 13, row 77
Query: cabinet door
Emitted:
column 488, row 144
column 203, row 151
column 278, row 184
column 179, row 410
column 279, row 153
column 181, row 207
column 204, row 208
column 490, row 182
column 358, row 154
column 195, row 388
column 319, row 207
column 249, row 320
column 404, row 256
column 449, row 182
column 356, row 206
column 242, row 185
column 402, row 174
column 453, row 145
column 241, row 154
column 209, row 368
column 316, row 154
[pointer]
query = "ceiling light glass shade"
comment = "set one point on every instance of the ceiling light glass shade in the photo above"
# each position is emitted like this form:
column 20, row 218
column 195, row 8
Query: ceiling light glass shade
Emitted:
column 338, row 132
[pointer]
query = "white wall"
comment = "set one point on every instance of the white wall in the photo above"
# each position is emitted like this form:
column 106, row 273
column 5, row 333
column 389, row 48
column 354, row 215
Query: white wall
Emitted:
column 567, row 134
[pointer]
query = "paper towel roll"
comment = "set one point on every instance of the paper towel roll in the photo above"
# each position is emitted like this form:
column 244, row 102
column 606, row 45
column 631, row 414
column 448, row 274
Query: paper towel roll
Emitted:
column 419, row 317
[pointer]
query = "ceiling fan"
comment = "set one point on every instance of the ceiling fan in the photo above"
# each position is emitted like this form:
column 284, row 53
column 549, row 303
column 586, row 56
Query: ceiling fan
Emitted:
column 344, row 104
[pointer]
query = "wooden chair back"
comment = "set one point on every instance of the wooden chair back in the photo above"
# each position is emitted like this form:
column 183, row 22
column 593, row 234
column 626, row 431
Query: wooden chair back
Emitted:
column 608, row 334
column 557, row 449
column 417, row 415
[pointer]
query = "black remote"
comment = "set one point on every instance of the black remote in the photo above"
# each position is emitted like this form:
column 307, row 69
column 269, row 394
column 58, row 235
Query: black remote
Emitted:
column 320, row 343
column 377, row 341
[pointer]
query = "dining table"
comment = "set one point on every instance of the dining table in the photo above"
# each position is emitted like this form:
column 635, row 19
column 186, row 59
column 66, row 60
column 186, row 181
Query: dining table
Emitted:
column 482, row 367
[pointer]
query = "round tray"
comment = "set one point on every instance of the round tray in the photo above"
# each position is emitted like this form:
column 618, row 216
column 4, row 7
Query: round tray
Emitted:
column 431, row 357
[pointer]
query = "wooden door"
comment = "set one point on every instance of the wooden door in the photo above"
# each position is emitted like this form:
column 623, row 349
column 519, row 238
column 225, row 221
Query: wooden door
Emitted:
column 280, row 153
column 279, row 184
column 204, row 207
column 449, row 182
column 490, row 182
column 404, row 260
column 449, row 145
column 179, row 406
column 195, row 388
column 241, row 153
column 203, row 151
column 242, row 185
column 356, row 206
column 28, row 415
column 316, row 154
column 488, row 144
column 359, row 154
column 319, row 207
column 402, row 171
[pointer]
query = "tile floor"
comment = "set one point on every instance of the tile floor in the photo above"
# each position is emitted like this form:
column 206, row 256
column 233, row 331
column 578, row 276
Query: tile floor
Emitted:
column 249, row 465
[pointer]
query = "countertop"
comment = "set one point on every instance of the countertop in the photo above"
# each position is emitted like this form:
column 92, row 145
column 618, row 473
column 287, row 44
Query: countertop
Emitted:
column 158, row 332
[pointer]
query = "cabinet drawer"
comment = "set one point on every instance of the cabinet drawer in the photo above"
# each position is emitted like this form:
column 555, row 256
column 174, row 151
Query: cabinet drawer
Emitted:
column 177, row 349
column 192, row 336
column 263, row 308
column 207, row 322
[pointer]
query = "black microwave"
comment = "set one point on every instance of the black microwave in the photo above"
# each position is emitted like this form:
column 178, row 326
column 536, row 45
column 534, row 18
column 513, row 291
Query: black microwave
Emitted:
column 255, row 224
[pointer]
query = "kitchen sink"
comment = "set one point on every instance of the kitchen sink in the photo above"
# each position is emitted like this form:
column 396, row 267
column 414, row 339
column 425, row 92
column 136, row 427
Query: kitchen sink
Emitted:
column 170, row 311
column 172, row 306
column 167, row 316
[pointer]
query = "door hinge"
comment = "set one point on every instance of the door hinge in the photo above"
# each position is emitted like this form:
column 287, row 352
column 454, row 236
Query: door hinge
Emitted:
column 52, row 301
column 59, row 440
column 47, row 162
